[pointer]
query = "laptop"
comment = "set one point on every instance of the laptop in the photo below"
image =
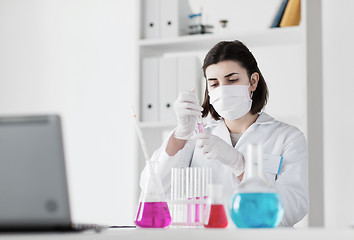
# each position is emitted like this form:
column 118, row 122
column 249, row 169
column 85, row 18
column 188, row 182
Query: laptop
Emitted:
column 33, row 183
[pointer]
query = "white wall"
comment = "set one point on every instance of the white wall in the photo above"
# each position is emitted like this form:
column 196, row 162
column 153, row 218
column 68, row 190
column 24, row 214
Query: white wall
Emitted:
column 77, row 58
column 338, row 65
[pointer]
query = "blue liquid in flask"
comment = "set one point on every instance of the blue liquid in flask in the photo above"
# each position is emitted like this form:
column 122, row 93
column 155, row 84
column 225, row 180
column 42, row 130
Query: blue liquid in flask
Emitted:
column 256, row 210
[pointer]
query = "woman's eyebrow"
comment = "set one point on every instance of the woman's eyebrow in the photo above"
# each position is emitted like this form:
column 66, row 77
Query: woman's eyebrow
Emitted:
column 226, row 76
column 230, row 74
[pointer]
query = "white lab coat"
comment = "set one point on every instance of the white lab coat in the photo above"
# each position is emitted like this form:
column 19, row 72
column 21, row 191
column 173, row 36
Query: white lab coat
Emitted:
column 278, row 140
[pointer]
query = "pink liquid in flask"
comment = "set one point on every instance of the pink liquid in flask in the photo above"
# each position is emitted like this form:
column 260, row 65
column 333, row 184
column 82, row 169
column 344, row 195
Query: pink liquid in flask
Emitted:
column 153, row 215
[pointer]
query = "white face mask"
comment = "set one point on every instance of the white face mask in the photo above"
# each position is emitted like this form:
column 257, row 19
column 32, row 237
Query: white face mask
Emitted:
column 231, row 101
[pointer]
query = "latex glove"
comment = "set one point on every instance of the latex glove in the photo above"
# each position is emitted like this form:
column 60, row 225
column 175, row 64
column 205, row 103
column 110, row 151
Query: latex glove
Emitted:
column 214, row 147
column 187, row 110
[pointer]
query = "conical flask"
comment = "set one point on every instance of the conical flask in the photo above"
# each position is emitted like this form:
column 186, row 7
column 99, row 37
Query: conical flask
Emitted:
column 215, row 215
column 256, row 203
column 153, row 209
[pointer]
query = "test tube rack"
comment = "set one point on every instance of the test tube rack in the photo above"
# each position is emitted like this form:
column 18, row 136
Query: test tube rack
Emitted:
column 189, row 195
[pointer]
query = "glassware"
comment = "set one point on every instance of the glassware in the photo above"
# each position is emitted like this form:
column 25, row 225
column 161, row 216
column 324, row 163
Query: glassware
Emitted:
column 153, row 210
column 188, row 195
column 200, row 124
column 215, row 214
column 256, row 203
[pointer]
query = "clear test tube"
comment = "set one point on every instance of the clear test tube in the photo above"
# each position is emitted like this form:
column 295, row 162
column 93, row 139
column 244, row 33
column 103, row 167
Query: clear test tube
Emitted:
column 200, row 124
column 173, row 193
column 172, row 183
column 178, row 214
column 191, row 195
column 208, row 181
column 204, row 195
column 183, row 189
column 200, row 180
column 188, row 195
column 197, row 183
column 204, row 178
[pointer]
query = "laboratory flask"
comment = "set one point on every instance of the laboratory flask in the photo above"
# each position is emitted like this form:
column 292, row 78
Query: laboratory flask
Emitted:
column 153, row 210
column 215, row 215
column 256, row 203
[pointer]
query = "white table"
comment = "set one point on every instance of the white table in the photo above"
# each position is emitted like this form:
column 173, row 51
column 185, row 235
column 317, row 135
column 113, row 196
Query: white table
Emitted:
column 195, row 234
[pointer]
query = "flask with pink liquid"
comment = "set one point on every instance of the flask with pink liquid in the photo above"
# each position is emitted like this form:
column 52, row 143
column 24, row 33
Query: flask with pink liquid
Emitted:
column 153, row 210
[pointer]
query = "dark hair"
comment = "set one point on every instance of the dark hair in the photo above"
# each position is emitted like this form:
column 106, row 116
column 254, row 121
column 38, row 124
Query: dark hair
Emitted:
column 238, row 52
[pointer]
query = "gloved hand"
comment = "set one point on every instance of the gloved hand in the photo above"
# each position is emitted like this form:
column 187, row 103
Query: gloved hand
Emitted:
column 187, row 110
column 214, row 147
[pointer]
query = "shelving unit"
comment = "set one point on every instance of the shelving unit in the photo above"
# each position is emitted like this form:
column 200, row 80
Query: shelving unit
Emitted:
column 199, row 44
column 290, row 58
column 267, row 37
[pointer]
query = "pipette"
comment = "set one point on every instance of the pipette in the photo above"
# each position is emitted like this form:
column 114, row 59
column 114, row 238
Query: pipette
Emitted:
column 140, row 135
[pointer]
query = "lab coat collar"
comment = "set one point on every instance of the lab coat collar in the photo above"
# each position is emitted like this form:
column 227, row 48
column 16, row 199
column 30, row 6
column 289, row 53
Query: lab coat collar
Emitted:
column 264, row 118
column 222, row 131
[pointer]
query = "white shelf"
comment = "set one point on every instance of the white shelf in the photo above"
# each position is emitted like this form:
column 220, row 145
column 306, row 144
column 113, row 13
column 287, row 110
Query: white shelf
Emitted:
column 267, row 37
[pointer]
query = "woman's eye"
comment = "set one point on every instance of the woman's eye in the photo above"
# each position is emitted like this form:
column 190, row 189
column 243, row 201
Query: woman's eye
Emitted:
column 233, row 80
column 213, row 85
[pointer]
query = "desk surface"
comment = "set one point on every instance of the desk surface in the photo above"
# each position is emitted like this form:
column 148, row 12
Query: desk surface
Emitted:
column 195, row 234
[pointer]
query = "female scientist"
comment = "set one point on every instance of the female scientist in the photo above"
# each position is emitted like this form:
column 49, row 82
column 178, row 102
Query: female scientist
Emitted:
column 235, row 95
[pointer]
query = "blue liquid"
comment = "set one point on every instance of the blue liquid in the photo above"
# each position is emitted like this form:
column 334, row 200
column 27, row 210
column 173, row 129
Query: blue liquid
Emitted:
column 256, row 210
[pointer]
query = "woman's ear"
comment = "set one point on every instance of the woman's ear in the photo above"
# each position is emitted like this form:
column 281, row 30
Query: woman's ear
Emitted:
column 254, row 81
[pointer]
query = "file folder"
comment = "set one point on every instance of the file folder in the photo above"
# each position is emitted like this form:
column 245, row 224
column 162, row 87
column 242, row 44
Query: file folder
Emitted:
column 168, row 88
column 166, row 18
column 150, row 89
column 151, row 19
column 169, row 18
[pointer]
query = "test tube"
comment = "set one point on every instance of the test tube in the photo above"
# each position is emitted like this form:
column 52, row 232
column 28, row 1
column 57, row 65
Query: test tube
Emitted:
column 175, row 191
column 204, row 196
column 188, row 195
column 200, row 124
column 191, row 195
column 209, row 178
column 172, row 207
column 179, row 194
column 204, row 173
column 197, row 188
column 183, row 195
column 188, row 188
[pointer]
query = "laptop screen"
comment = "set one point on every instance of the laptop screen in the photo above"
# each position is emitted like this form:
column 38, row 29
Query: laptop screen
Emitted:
column 33, row 185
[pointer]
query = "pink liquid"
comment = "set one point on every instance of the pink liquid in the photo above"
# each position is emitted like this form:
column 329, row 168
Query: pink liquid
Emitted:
column 197, row 211
column 153, row 215
column 200, row 127
column 217, row 218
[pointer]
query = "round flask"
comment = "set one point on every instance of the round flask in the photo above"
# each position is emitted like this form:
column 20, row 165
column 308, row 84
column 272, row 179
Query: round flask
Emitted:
column 256, row 203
